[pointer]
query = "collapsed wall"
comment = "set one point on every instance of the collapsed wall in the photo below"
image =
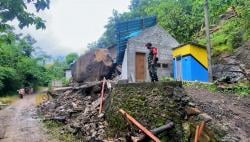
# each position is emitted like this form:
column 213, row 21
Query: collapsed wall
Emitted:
column 152, row 104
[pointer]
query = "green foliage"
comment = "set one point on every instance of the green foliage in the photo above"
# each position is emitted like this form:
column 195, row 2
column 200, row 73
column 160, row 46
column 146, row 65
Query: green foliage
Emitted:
column 8, row 98
column 184, row 19
column 54, row 129
column 17, row 9
column 209, row 86
column 71, row 57
column 165, row 78
column 18, row 66
column 241, row 89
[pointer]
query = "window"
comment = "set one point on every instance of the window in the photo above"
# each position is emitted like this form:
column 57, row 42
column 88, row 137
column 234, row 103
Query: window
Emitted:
column 158, row 65
column 164, row 65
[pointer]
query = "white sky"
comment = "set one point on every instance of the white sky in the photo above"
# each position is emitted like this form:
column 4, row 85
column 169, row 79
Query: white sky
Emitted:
column 72, row 24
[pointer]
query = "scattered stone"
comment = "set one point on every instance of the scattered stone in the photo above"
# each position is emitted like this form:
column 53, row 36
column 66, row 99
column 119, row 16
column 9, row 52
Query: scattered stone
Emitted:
column 192, row 111
column 191, row 104
column 205, row 117
column 78, row 110
column 101, row 115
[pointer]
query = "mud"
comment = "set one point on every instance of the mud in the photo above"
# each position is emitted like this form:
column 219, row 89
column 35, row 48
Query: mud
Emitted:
column 19, row 123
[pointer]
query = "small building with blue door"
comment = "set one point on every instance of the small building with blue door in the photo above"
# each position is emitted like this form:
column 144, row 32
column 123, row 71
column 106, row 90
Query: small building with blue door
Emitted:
column 190, row 62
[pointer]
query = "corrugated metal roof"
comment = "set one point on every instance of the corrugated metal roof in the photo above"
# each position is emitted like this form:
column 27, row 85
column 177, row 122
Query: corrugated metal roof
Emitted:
column 128, row 29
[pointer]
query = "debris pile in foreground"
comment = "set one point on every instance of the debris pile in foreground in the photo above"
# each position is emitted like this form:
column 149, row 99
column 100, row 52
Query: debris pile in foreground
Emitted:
column 154, row 105
column 78, row 110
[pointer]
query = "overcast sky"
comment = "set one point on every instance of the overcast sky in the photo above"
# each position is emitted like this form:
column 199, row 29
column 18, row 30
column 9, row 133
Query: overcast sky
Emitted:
column 72, row 24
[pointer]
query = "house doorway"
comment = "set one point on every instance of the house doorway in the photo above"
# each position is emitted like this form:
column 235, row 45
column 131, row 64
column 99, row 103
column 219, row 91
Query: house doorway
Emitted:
column 140, row 66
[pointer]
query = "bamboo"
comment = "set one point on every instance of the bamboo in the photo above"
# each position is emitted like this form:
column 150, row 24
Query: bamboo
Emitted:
column 201, row 128
column 196, row 134
column 102, row 94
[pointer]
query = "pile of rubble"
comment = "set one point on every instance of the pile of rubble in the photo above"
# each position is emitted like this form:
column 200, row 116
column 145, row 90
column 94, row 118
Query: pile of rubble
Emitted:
column 78, row 110
column 156, row 106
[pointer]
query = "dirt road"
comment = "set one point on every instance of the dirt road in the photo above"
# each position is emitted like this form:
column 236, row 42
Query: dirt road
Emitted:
column 19, row 123
column 229, row 111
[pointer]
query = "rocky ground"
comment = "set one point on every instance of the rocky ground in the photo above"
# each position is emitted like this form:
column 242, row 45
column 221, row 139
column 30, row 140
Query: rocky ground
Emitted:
column 78, row 110
column 19, row 123
column 235, row 66
column 153, row 105
column 228, row 111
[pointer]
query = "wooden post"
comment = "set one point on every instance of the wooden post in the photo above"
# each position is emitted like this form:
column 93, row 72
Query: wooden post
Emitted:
column 210, row 75
column 102, row 94
column 137, row 124
column 201, row 128
column 196, row 134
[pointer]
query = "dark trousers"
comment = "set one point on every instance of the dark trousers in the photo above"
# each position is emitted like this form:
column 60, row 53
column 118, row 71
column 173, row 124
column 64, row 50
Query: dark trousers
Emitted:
column 153, row 72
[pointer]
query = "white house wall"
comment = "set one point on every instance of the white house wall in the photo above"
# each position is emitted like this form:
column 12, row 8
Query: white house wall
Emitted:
column 132, row 50
column 124, row 74
column 160, row 39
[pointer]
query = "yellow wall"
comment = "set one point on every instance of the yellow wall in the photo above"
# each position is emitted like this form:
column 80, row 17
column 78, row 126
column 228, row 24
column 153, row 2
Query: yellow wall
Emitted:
column 180, row 51
column 197, row 52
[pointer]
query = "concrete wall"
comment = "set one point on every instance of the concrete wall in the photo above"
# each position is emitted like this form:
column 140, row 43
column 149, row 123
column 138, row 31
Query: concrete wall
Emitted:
column 160, row 39
column 68, row 74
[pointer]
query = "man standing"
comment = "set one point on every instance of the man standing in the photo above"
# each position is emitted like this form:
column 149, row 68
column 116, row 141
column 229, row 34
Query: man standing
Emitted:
column 152, row 61
column 21, row 92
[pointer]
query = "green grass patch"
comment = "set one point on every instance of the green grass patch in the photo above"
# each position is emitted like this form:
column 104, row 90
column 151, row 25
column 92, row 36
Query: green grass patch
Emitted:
column 241, row 89
column 41, row 97
column 209, row 86
column 54, row 128
column 229, row 37
column 8, row 99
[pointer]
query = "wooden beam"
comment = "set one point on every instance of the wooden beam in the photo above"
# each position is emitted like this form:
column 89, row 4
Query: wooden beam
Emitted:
column 102, row 94
column 140, row 126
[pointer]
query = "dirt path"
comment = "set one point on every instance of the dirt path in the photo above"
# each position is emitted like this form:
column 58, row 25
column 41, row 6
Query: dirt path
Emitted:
column 230, row 112
column 19, row 123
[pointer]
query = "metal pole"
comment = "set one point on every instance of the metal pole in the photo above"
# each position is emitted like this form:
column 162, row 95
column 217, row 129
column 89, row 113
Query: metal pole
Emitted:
column 210, row 76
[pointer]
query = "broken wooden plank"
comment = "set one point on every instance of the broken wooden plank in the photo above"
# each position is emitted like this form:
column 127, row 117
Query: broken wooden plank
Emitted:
column 62, row 88
column 196, row 134
column 140, row 126
column 87, row 85
column 102, row 94
column 201, row 128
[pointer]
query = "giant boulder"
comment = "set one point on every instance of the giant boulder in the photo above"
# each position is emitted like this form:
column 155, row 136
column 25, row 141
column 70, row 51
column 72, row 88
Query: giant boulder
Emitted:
column 92, row 66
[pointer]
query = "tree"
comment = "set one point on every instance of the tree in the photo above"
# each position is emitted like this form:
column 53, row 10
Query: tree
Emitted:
column 26, row 44
column 71, row 57
column 11, row 9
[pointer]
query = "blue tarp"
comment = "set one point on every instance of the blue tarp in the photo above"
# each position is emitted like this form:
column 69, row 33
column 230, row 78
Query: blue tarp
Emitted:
column 128, row 29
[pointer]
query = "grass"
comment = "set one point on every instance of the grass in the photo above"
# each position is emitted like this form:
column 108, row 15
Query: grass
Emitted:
column 8, row 99
column 54, row 129
column 240, row 89
column 41, row 97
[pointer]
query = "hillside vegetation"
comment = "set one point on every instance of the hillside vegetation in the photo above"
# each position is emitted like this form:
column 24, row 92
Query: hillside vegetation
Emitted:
column 184, row 19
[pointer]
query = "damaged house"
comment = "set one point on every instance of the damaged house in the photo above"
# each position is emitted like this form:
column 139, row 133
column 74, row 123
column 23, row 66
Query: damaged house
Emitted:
column 135, row 66
column 134, row 56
